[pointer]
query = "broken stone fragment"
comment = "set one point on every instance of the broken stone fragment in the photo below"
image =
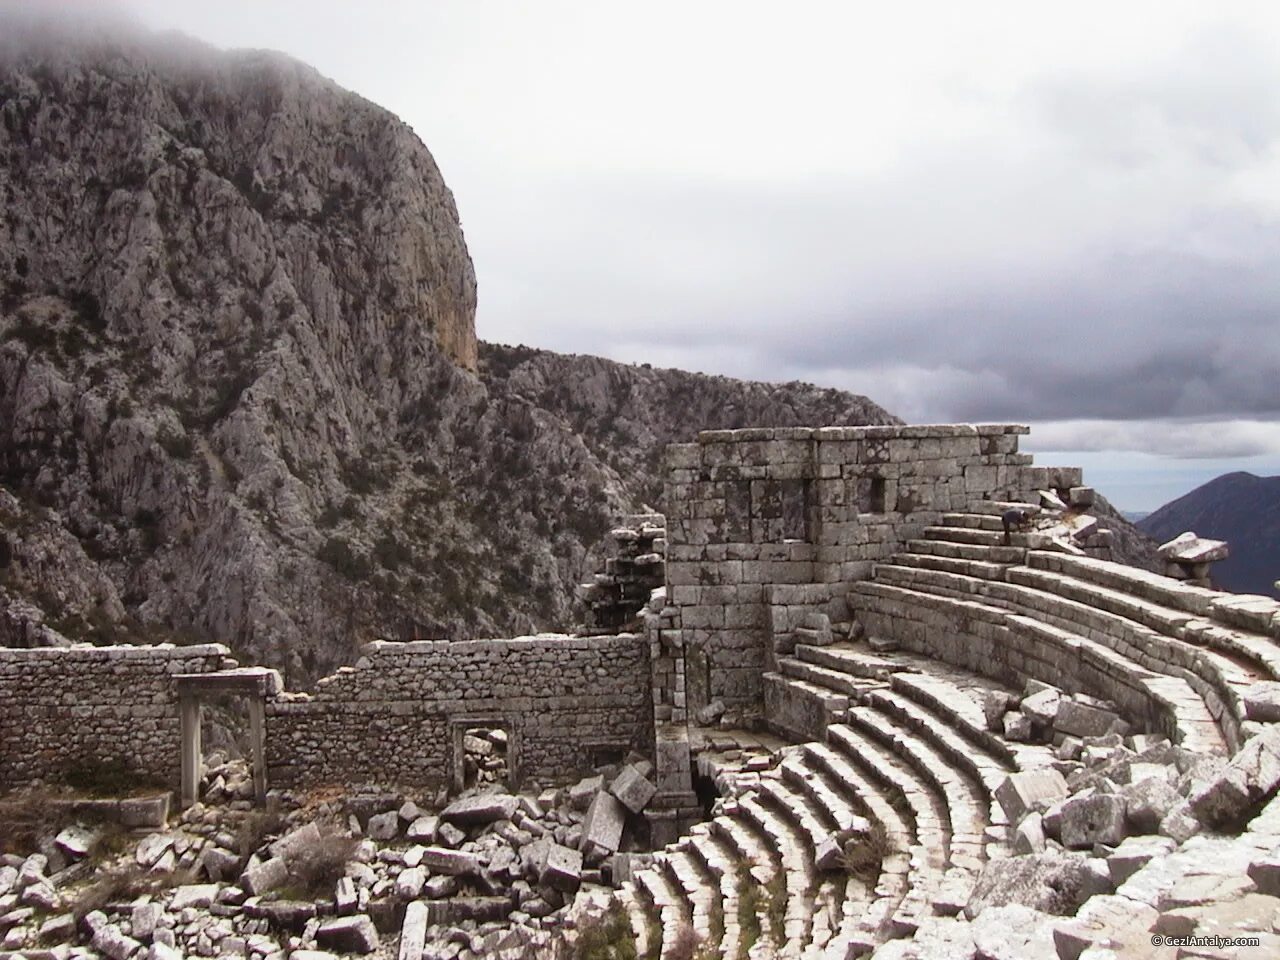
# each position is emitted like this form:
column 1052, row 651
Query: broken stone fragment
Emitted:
column 1133, row 854
column 348, row 935
column 345, row 897
column 152, row 847
column 1017, row 727
column 584, row 791
column 413, row 932
column 1049, row 882
column 1147, row 802
column 410, row 882
column 423, row 828
column 1042, row 707
column 198, row 895
column 76, row 841
column 1029, row 836
column 143, row 920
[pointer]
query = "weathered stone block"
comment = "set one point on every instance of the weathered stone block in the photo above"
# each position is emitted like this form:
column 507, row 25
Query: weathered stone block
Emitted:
column 1030, row 789
column 348, row 935
column 485, row 808
column 604, row 824
column 633, row 789
column 1092, row 820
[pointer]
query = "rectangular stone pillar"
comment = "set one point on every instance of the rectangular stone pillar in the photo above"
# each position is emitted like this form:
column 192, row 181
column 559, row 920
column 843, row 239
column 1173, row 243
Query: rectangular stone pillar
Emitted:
column 190, row 711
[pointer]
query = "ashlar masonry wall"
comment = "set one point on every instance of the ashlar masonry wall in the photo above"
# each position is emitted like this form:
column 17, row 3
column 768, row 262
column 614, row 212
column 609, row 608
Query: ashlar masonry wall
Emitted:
column 397, row 717
column 63, row 709
column 766, row 526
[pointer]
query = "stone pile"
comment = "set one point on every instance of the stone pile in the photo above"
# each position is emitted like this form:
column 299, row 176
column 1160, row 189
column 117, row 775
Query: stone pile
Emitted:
column 1046, row 714
column 489, row 874
column 1188, row 557
column 484, row 755
column 615, row 597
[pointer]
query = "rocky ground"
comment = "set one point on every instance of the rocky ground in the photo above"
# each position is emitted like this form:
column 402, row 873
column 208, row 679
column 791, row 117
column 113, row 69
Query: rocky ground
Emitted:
column 486, row 874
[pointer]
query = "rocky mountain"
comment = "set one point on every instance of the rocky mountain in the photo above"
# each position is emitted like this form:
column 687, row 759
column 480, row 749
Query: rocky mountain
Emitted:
column 241, row 395
column 1237, row 507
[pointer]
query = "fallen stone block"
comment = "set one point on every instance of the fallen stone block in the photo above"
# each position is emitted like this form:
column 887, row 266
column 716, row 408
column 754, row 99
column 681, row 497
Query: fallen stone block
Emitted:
column 1017, row 727
column 1042, row 707
column 1029, row 835
column 633, row 789
column 305, row 836
column 1092, row 820
column 1261, row 701
column 109, row 940
column 1012, row 932
column 1147, row 802
column 1179, row 824
column 413, row 932
column 1189, row 548
column 1048, row 882
column 561, row 868
column 345, row 897
column 144, row 813
column 198, row 895
column 584, row 791
column 603, row 826
column 423, row 828
column 258, row 878
column 449, row 835
column 455, row 863
column 348, row 935
column 76, row 841
column 1030, row 789
column 1082, row 720
column 219, row 864
column 486, row 808
column 151, row 848
column 384, row 826
column 143, row 920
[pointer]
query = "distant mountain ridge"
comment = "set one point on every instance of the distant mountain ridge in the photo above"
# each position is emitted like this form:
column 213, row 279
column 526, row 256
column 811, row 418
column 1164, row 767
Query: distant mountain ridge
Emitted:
column 1242, row 509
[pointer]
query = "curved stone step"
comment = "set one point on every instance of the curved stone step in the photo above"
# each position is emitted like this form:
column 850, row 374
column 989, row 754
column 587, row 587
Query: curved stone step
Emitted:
column 903, row 867
column 1011, row 647
column 674, row 911
column 799, row 878
column 718, row 862
column 929, row 856
column 967, row 551
column 759, row 861
column 973, row 568
column 833, row 810
column 964, row 797
column 700, row 892
column 644, row 916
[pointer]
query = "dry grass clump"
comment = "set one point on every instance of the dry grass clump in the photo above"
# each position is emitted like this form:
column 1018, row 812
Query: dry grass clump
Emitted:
column 123, row 885
column 863, row 857
column 607, row 937
column 315, row 868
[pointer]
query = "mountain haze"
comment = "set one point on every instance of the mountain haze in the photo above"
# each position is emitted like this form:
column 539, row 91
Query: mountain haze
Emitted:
column 241, row 394
column 1240, row 508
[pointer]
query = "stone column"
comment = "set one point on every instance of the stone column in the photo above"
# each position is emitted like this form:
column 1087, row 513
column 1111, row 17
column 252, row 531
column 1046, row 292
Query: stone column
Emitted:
column 190, row 710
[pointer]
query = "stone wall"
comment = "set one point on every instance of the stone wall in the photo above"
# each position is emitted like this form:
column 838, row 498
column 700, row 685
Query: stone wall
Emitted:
column 763, row 520
column 396, row 718
column 68, row 709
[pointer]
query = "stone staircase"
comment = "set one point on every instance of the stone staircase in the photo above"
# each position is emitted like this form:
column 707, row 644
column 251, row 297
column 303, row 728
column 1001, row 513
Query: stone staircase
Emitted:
column 1176, row 658
column 898, row 741
column 906, row 755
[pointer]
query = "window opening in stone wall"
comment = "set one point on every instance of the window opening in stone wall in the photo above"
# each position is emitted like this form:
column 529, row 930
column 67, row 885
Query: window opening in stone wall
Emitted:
column 871, row 495
column 484, row 756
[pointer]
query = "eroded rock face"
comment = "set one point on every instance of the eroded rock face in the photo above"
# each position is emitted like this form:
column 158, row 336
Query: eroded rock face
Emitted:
column 241, row 396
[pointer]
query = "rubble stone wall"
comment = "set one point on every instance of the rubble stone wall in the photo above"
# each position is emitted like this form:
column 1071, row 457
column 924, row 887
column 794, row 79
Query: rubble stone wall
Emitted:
column 393, row 719
column 750, row 511
column 63, row 709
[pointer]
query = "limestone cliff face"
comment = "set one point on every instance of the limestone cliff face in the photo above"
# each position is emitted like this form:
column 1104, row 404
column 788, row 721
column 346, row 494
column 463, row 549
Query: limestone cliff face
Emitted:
column 241, row 396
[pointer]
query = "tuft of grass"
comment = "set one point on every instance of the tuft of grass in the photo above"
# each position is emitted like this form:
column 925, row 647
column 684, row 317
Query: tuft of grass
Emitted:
column 776, row 906
column 608, row 937
column 123, row 885
column 316, row 868
column 259, row 826
column 864, row 858
column 688, row 945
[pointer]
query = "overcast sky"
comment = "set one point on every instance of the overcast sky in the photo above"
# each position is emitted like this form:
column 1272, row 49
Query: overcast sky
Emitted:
column 1057, row 214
